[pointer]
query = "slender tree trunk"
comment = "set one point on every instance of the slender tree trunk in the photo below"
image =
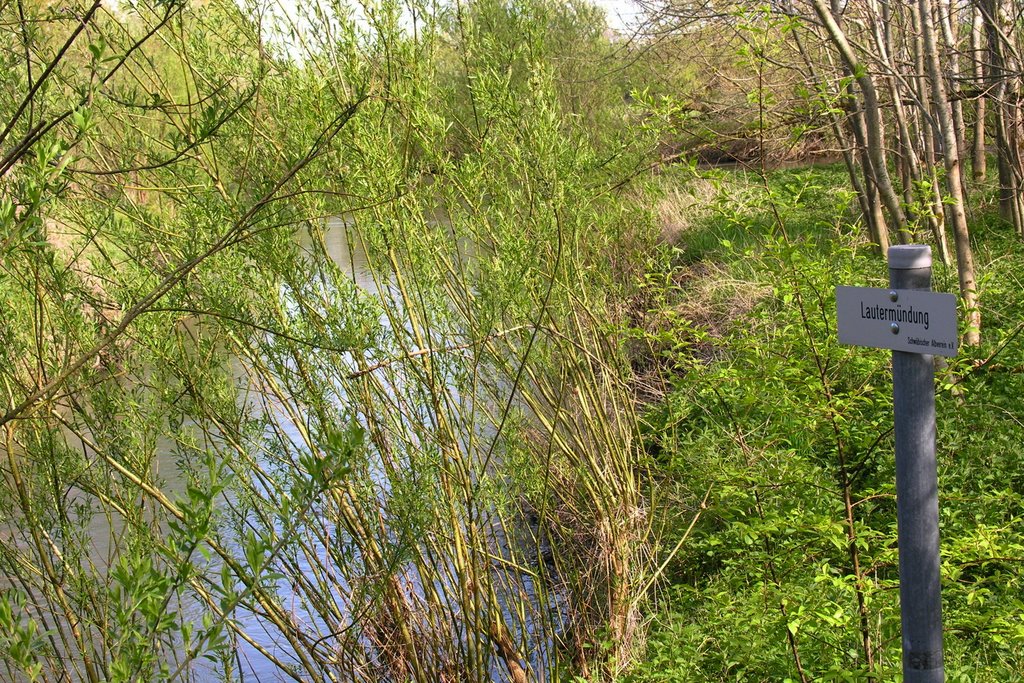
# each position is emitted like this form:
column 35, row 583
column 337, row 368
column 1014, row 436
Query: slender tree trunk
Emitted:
column 841, row 138
column 923, row 208
column 979, row 161
column 872, row 120
column 910, row 160
column 951, row 59
column 1004, row 61
column 874, row 215
column 954, row 182
column 928, row 133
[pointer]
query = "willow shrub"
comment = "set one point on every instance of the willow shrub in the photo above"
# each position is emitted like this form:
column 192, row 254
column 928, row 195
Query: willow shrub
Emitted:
column 222, row 457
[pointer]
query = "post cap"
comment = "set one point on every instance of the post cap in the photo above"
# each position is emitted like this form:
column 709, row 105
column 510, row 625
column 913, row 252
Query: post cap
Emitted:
column 910, row 256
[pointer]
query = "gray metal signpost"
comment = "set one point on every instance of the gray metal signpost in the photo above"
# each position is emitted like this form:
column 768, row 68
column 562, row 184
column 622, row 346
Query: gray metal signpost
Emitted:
column 867, row 322
column 917, row 486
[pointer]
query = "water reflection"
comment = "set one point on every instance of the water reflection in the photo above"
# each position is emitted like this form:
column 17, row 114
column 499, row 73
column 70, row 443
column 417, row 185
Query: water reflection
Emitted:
column 406, row 427
column 409, row 424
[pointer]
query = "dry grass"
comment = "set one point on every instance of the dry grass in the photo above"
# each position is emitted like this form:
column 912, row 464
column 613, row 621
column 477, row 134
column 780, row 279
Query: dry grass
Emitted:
column 714, row 301
column 682, row 206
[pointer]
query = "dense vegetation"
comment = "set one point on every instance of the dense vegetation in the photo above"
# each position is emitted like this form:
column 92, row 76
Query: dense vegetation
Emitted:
column 780, row 443
column 404, row 341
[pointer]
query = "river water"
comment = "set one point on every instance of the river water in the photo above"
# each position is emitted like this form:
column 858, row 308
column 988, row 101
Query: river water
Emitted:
column 339, row 241
column 346, row 250
column 343, row 245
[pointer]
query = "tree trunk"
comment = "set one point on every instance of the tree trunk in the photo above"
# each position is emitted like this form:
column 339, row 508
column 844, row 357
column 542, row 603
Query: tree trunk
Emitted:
column 979, row 161
column 952, row 61
column 872, row 120
column 924, row 207
column 929, row 133
column 874, row 215
column 845, row 147
column 954, row 183
column 1004, row 62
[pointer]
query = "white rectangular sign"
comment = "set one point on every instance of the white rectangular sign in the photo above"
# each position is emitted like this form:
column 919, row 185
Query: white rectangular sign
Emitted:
column 908, row 320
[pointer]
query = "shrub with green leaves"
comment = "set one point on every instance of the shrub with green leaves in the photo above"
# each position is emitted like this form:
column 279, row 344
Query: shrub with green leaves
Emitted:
column 225, row 453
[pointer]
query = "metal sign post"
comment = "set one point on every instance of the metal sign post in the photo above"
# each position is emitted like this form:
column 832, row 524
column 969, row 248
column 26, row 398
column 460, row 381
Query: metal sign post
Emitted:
column 917, row 486
column 915, row 323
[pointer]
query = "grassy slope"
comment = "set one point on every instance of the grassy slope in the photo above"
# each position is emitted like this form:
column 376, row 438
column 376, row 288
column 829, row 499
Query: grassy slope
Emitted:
column 775, row 444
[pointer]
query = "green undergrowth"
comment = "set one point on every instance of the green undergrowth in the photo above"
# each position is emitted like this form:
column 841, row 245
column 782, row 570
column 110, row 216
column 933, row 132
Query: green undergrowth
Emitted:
column 775, row 442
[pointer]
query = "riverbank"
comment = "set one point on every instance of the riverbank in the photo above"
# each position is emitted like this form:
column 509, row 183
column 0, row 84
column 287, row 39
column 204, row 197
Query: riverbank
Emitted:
column 774, row 445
